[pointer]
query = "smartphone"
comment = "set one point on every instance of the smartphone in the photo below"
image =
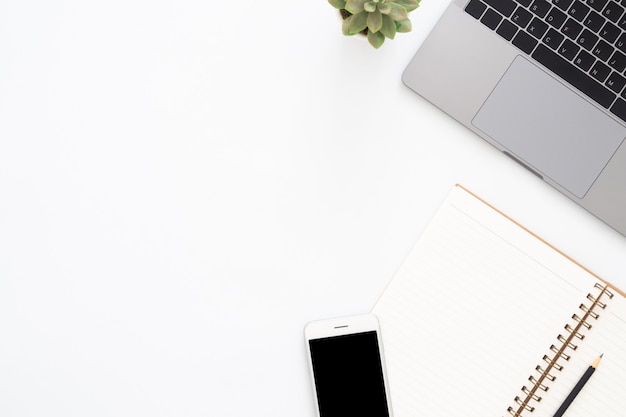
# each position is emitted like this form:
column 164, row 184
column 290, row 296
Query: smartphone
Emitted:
column 347, row 367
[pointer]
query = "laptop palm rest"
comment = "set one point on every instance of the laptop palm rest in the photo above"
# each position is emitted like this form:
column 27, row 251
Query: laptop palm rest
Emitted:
column 548, row 127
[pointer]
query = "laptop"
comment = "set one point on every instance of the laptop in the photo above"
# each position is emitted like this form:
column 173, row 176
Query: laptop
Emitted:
column 544, row 81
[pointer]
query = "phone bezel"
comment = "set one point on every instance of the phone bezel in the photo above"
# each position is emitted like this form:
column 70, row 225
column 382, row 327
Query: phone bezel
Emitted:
column 344, row 326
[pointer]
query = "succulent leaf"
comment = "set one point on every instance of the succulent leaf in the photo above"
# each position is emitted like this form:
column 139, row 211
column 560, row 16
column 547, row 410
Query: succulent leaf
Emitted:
column 354, row 6
column 404, row 26
column 345, row 25
column 375, row 39
column 409, row 5
column 398, row 12
column 384, row 8
column 358, row 23
column 374, row 21
column 370, row 7
column 338, row 4
column 389, row 27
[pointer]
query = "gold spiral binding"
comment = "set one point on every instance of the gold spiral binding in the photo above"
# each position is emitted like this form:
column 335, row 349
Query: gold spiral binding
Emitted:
column 559, row 353
column 556, row 350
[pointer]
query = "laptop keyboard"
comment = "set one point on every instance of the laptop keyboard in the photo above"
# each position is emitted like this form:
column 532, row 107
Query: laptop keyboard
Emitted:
column 582, row 41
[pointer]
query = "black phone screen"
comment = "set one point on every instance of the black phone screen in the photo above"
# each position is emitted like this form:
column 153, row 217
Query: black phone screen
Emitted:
column 348, row 376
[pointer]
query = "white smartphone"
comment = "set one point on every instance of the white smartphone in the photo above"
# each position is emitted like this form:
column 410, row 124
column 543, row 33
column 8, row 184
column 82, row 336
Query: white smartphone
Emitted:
column 347, row 367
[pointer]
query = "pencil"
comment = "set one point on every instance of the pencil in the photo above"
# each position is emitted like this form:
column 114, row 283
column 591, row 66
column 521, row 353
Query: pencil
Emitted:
column 579, row 385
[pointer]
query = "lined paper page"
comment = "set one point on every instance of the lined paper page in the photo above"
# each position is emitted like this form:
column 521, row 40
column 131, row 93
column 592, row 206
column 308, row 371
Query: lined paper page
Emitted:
column 471, row 312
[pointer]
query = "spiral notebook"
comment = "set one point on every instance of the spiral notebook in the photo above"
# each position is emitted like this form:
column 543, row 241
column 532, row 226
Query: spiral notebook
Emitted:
column 484, row 319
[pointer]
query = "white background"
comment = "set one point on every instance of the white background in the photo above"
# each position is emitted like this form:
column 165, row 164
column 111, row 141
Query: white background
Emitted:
column 184, row 184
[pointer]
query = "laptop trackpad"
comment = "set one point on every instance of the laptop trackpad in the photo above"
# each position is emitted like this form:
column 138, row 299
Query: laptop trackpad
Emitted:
column 549, row 127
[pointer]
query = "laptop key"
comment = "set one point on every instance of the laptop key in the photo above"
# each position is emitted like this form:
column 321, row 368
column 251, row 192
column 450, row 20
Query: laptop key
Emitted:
column 569, row 49
column 562, row 4
column 553, row 39
column 584, row 61
column 583, row 82
column 578, row 11
column 537, row 28
column 621, row 43
column 587, row 39
column 525, row 42
column 507, row 30
column 613, row 12
column 602, row 50
column 618, row 61
column 610, row 32
column 506, row 7
column 594, row 21
column 600, row 71
column 571, row 29
column 521, row 17
column 540, row 7
column 616, row 82
column 619, row 109
column 556, row 18
column 597, row 5
column 491, row 19
column 475, row 8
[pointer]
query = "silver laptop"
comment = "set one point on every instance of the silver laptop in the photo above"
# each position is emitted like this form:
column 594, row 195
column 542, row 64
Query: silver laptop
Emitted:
column 544, row 81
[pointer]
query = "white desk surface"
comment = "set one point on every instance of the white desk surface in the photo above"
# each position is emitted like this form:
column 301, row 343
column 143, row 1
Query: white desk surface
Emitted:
column 184, row 184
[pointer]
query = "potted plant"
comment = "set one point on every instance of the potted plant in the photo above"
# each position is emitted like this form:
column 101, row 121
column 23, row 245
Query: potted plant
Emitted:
column 377, row 19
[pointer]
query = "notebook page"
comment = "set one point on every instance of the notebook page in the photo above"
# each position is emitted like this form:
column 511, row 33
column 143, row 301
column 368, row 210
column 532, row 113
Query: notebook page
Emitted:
column 471, row 312
column 603, row 395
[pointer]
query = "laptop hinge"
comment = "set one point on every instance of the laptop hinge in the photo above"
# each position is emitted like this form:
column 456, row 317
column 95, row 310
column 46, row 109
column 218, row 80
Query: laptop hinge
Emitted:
column 522, row 164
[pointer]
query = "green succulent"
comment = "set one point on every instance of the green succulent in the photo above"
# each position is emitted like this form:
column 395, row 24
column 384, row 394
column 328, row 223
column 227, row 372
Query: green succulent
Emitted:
column 380, row 19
